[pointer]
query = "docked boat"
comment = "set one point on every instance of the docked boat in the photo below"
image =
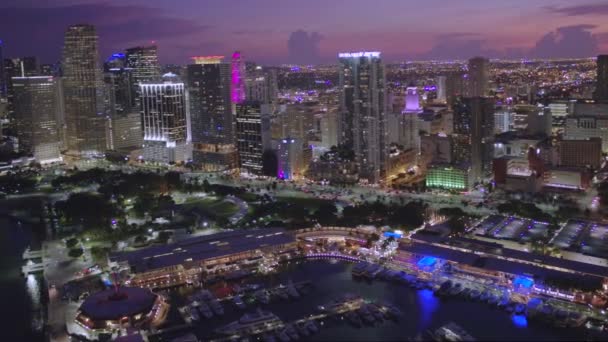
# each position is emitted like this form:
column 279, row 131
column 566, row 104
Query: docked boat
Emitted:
column 291, row 290
column 268, row 338
column 281, row 292
column 576, row 319
column 194, row 315
column 375, row 311
column 359, row 269
column 291, row 332
column 217, row 308
column 258, row 321
column 444, row 288
column 205, row 310
column 338, row 304
column 455, row 290
column 353, row 318
column 484, row 296
column 311, row 326
column 520, row 308
column 366, row 314
column 282, row 335
column 452, row 332
column 262, row 296
column 474, row 294
column 504, row 303
column 302, row 330
column 238, row 301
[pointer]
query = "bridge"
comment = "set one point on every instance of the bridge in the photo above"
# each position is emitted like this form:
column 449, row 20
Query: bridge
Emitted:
column 332, row 231
column 338, row 256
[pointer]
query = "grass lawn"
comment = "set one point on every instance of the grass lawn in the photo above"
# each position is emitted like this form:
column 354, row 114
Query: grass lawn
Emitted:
column 216, row 206
column 309, row 203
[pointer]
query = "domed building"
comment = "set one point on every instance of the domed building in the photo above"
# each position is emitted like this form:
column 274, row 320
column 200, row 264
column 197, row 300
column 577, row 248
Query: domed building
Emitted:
column 123, row 307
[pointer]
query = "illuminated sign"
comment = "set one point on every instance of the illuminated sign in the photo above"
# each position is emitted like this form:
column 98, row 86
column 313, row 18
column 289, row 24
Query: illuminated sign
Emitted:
column 359, row 54
column 207, row 59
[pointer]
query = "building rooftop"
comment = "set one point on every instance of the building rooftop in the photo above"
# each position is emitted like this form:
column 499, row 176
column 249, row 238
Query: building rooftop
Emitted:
column 113, row 305
column 202, row 248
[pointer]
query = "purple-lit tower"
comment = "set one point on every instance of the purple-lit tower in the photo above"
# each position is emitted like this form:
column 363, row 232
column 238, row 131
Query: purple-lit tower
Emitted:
column 237, row 90
column 409, row 136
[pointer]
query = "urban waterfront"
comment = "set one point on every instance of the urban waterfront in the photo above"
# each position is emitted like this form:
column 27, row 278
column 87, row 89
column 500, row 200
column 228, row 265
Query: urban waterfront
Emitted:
column 21, row 294
column 422, row 311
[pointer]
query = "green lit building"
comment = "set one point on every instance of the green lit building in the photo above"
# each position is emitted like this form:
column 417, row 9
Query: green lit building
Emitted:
column 446, row 176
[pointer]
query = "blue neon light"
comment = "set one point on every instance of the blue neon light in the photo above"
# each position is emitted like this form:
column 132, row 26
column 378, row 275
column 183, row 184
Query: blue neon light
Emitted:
column 392, row 234
column 524, row 282
column 427, row 261
column 520, row 321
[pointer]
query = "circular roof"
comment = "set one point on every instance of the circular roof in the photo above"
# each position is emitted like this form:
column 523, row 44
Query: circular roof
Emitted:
column 113, row 305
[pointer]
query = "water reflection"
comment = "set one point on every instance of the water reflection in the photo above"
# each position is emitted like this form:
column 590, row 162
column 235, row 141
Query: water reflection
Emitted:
column 520, row 321
column 428, row 304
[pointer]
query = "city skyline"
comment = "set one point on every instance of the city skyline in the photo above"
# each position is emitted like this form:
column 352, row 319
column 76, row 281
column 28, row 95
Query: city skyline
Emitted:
column 304, row 34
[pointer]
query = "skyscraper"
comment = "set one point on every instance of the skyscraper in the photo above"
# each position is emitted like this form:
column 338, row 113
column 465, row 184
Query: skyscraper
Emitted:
column 474, row 134
column 142, row 61
column 238, row 78
column 409, row 136
column 17, row 67
column 601, row 87
column 83, row 92
column 478, row 78
column 362, row 114
column 213, row 136
column 441, row 88
column 36, row 101
column 3, row 80
column 261, row 85
column 165, row 123
column 252, row 135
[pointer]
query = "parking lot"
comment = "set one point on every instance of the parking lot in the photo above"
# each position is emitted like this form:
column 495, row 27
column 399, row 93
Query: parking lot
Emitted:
column 590, row 238
column 512, row 228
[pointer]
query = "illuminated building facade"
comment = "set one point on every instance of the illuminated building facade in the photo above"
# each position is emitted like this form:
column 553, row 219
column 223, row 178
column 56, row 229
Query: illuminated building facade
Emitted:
column 478, row 80
column 449, row 177
column 83, row 92
column 362, row 113
column 238, row 78
column 293, row 158
column 36, row 102
column 213, row 128
column 252, row 135
column 601, row 86
column 142, row 61
column 163, row 110
column 408, row 135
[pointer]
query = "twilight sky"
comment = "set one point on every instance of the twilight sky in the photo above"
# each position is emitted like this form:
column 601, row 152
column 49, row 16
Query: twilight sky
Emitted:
column 313, row 31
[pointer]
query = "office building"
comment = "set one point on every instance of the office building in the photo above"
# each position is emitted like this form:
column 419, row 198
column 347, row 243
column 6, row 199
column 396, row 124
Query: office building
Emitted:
column 124, row 132
column 502, row 120
column 36, row 101
column 329, row 129
column 478, row 81
column 83, row 92
column 450, row 177
column 261, row 85
column 474, row 134
column 165, row 123
column 583, row 127
column 408, row 135
column 142, row 61
column 293, row 158
column 362, row 113
column 252, row 135
column 454, row 86
column 440, row 83
column 580, row 153
column 237, row 90
column 213, row 128
column 3, row 80
column 601, row 85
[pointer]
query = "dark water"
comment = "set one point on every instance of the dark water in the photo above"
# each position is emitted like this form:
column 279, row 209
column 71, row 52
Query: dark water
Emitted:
column 421, row 310
column 20, row 296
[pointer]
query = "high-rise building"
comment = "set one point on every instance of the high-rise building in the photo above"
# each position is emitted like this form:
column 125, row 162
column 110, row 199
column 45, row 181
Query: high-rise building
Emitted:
column 580, row 153
column 329, row 129
column 124, row 132
column 3, row 80
column 83, row 92
column 408, row 135
column 261, row 85
column 252, row 135
column 478, row 81
column 362, row 113
column 237, row 89
column 293, row 158
column 601, row 86
column 17, row 67
column 213, row 129
column 36, row 101
column 454, row 86
column 474, row 134
column 441, row 88
column 142, row 61
column 165, row 122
